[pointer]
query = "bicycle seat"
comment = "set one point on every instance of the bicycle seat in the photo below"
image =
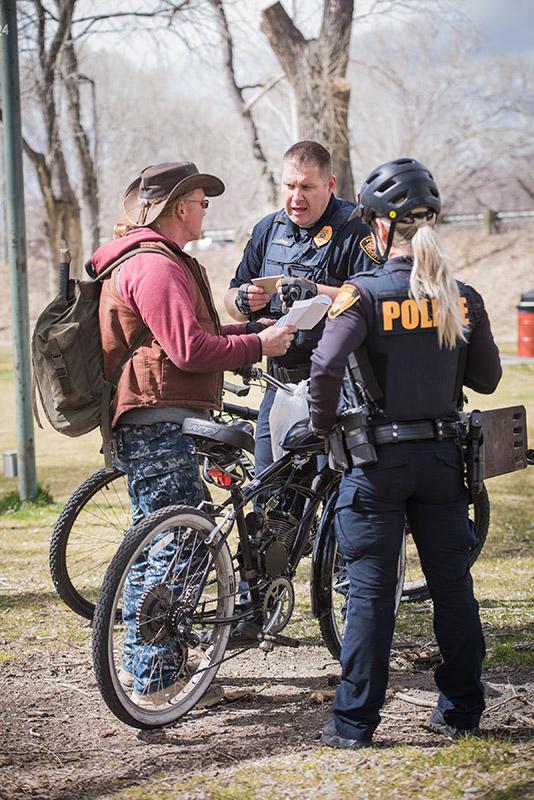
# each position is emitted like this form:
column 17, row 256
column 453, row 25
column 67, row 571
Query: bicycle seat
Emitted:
column 300, row 438
column 238, row 435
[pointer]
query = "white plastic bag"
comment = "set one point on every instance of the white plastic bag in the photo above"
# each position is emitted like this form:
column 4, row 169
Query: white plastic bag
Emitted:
column 286, row 410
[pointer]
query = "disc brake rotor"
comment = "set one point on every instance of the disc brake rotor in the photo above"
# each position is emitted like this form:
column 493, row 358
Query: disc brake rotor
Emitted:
column 153, row 613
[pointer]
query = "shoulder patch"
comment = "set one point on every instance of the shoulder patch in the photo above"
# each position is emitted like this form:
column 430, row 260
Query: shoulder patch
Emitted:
column 345, row 298
column 368, row 245
column 324, row 236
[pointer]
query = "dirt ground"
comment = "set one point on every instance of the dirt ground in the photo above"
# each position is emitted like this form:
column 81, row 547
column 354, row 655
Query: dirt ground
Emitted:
column 59, row 741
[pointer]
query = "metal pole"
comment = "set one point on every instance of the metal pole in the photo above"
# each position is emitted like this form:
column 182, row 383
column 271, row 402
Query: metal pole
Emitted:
column 16, row 234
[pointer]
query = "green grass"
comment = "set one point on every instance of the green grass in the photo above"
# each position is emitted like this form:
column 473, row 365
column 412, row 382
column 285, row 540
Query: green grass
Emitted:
column 487, row 768
column 12, row 503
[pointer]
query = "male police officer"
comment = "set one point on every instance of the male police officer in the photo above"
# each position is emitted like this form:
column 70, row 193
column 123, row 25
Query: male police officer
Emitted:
column 314, row 246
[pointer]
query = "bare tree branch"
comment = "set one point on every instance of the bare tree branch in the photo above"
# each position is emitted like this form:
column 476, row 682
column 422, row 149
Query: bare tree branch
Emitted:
column 286, row 40
column 237, row 94
column 71, row 80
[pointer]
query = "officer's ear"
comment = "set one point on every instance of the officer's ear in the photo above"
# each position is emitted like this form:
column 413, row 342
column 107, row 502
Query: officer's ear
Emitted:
column 331, row 184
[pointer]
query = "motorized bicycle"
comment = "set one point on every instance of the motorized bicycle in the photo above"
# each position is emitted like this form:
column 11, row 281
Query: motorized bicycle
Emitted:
column 194, row 598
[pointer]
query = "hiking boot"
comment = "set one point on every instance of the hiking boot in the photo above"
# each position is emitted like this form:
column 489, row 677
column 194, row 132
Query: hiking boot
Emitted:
column 126, row 678
column 436, row 722
column 331, row 738
column 244, row 634
column 152, row 701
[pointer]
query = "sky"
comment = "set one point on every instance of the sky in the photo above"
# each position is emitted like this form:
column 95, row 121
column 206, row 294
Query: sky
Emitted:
column 507, row 25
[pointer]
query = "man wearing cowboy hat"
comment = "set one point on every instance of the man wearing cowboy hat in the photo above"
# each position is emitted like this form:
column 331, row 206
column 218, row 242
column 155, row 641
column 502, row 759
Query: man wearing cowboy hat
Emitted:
column 176, row 372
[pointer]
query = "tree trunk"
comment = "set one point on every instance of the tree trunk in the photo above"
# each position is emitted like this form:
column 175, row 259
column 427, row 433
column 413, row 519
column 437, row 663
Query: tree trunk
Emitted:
column 316, row 69
column 61, row 205
column 86, row 165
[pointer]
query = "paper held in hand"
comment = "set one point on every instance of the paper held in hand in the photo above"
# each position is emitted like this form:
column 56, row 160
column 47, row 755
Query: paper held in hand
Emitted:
column 267, row 284
column 305, row 314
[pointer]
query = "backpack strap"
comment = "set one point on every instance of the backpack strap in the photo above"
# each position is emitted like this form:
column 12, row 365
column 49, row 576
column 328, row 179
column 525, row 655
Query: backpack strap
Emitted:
column 35, row 408
column 111, row 385
column 107, row 397
column 125, row 256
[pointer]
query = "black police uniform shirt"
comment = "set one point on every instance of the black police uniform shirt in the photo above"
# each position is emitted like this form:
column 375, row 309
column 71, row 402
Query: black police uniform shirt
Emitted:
column 419, row 380
column 329, row 253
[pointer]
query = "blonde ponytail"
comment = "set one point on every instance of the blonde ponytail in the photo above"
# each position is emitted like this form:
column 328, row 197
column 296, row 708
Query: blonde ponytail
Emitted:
column 431, row 278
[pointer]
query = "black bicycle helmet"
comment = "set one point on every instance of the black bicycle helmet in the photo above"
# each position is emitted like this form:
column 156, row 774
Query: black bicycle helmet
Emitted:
column 393, row 189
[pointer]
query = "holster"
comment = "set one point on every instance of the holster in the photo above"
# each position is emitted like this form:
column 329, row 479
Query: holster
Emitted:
column 349, row 444
column 337, row 455
column 474, row 453
column 496, row 444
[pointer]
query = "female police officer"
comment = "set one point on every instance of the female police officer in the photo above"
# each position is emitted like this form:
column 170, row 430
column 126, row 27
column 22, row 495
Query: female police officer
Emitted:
column 426, row 336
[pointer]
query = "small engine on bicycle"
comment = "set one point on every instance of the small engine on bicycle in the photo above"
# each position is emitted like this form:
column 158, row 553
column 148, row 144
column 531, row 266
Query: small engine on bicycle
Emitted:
column 273, row 526
column 271, row 536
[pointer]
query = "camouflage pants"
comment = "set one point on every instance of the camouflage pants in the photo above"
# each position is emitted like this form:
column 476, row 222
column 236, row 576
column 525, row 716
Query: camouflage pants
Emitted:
column 162, row 470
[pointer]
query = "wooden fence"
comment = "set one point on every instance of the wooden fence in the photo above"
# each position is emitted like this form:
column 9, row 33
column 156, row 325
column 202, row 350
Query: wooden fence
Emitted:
column 489, row 219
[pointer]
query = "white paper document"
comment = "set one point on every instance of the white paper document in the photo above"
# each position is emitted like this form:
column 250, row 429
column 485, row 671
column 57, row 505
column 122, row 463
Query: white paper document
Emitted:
column 305, row 314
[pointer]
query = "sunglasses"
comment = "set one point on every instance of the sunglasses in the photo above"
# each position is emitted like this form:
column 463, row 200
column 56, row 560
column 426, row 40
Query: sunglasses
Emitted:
column 422, row 216
column 204, row 203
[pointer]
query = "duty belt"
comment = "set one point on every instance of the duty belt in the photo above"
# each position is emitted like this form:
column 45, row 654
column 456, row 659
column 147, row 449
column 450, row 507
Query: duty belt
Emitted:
column 288, row 374
column 435, row 429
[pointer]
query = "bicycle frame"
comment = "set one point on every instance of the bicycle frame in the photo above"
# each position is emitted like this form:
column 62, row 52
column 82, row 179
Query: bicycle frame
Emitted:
column 275, row 480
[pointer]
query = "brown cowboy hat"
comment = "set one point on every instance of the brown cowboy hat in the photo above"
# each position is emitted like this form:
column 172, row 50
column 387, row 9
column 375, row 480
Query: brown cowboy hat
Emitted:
column 148, row 195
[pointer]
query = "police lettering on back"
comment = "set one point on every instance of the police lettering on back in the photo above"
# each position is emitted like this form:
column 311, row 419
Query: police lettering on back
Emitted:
column 404, row 315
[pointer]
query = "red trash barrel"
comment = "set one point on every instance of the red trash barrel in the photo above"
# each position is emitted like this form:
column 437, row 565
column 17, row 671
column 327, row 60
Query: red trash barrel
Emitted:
column 525, row 325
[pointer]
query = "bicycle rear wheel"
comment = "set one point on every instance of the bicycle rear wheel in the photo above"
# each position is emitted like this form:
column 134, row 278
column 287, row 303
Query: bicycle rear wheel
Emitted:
column 332, row 620
column 415, row 588
column 85, row 537
column 179, row 616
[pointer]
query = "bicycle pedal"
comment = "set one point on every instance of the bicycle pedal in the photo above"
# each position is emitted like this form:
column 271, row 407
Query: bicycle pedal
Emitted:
column 271, row 639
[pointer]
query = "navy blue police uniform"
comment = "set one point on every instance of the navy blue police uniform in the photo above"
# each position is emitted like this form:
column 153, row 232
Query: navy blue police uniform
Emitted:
column 419, row 475
column 329, row 252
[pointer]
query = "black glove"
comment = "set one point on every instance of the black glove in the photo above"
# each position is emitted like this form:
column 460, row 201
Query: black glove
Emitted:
column 297, row 289
column 255, row 327
column 241, row 300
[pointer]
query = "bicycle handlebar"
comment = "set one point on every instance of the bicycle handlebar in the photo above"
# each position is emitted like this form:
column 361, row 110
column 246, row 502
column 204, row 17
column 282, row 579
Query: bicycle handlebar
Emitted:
column 240, row 391
column 248, row 373
column 243, row 412
column 251, row 373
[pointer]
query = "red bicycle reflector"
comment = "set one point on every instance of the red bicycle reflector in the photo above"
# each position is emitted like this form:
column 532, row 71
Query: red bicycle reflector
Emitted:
column 219, row 477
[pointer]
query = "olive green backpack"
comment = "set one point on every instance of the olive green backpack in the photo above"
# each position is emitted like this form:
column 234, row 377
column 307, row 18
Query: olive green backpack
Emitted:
column 68, row 368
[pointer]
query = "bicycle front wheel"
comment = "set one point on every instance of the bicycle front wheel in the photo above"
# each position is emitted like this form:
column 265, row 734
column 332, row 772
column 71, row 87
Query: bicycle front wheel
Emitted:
column 333, row 618
column 175, row 582
column 86, row 536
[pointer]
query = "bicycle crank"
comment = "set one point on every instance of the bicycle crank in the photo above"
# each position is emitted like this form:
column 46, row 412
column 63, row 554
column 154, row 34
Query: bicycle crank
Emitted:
column 278, row 605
